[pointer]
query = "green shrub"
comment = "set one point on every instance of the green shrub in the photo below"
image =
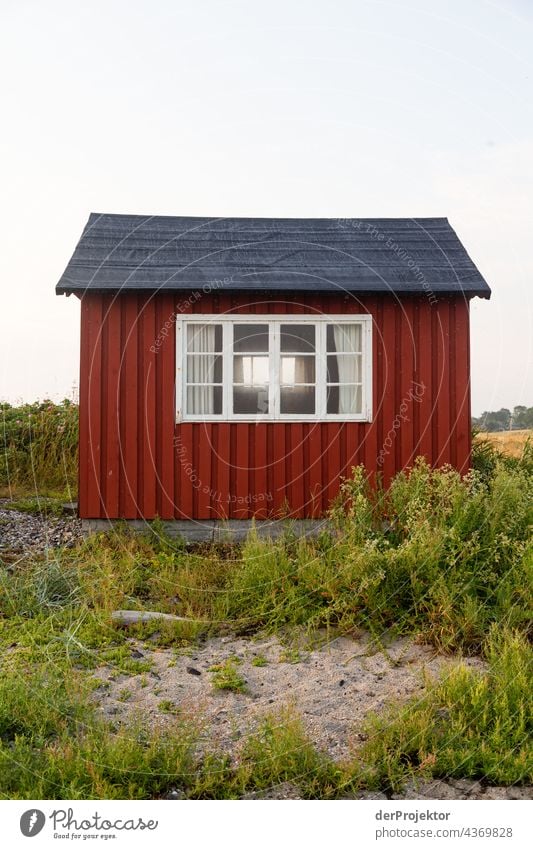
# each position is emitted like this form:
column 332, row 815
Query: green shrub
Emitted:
column 39, row 447
column 470, row 724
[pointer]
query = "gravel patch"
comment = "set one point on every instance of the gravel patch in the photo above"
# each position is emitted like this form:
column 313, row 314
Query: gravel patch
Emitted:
column 20, row 532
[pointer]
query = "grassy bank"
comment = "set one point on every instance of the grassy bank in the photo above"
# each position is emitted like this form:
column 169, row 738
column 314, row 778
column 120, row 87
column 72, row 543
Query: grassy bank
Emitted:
column 438, row 556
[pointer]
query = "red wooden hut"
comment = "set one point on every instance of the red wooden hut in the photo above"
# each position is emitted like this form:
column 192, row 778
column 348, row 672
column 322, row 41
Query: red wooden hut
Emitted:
column 238, row 368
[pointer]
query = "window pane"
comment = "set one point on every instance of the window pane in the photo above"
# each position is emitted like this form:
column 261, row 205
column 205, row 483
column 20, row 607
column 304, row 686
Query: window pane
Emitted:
column 249, row 400
column 250, row 338
column 252, row 371
column 346, row 368
column 297, row 400
column 204, row 400
column 344, row 337
column 344, row 399
column 204, row 368
column 297, row 370
column 204, row 338
column 297, row 338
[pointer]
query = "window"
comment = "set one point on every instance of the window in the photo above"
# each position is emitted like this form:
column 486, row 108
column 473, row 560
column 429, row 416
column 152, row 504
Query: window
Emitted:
column 272, row 368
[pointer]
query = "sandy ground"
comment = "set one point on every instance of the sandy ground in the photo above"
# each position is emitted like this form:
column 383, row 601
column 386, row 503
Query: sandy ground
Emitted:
column 332, row 688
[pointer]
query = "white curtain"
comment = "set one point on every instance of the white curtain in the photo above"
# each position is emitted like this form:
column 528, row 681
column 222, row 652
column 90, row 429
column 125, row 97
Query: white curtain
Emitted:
column 201, row 342
column 304, row 369
column 348, row 340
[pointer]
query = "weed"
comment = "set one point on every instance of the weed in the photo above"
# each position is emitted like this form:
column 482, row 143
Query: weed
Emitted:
column 168, row 706
column 36, row 505
column 259, row 660
column 226, row 677
column 290, row 655
column 124, row 695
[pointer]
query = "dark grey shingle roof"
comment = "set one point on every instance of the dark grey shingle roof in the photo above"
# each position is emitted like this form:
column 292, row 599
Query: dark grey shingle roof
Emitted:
column 404, row 255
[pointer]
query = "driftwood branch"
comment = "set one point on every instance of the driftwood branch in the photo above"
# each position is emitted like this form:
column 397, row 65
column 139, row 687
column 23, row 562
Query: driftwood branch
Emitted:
column 133, row 617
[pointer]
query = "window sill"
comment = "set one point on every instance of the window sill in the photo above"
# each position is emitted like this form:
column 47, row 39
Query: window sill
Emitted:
column 338, row 419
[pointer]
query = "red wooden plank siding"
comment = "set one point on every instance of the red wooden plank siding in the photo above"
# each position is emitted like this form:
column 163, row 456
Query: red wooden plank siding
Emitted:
column 314, row 502
column 204, row 484
column 375, row 430
column 185, row 470
column 166, row 406
column 452, row 387
column 405, row 407
column 387, row 449
column 148, row 413
column 136, row 462
column 416, row 378
column 279, row 470
column 368, row 434
column 462, row 432
column 297, row 494
column 91, row 405
column 424, row 359
column 111, row 405
column 333, row 459
column 83, row 454
column 443, row 384
column 242, row 463
column 260, row 506
column 128, row 408
column 222, row 459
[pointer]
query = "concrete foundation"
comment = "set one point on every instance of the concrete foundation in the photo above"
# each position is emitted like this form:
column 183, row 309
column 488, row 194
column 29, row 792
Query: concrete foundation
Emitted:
column 230, row 530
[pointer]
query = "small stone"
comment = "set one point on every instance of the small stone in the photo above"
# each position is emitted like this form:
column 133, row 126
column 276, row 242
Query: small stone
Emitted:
column 192, row 670
column 366, row 794
column 175, row 794
column 286, row 790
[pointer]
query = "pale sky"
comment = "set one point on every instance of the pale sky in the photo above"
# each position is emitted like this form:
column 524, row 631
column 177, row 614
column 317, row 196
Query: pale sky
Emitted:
column 338, row 108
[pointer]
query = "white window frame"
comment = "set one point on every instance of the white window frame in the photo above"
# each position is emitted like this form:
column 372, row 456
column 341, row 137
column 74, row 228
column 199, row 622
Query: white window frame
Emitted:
column 274, row 320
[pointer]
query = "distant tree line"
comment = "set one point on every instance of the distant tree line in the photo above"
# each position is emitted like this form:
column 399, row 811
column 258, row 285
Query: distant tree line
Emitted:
column 521, row 418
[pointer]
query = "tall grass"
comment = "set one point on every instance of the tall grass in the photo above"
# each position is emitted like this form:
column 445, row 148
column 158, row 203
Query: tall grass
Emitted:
column 53, row 746
column 437, row 555
column 39, row 448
